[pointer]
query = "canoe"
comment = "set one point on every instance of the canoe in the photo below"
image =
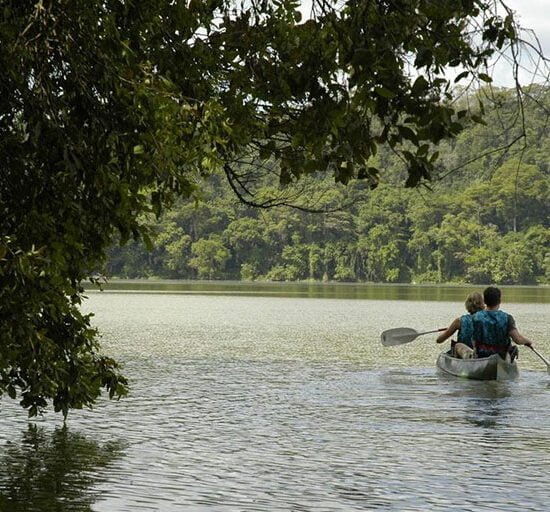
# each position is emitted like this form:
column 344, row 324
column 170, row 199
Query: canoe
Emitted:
column 485, row 368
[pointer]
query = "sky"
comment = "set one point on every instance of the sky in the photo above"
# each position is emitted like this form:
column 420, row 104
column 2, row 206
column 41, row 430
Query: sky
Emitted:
column 534, row 15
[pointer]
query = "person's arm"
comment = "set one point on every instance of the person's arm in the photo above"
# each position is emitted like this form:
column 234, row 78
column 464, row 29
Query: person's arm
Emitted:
column 519, row 338
column 455, row 324
column 516, row 336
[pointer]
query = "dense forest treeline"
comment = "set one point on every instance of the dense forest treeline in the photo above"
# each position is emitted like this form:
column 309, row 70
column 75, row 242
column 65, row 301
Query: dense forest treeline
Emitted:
column 113, row 113
column 486, row 219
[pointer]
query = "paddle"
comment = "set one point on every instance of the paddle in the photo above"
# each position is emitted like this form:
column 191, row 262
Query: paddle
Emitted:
column 542, row 358
column 402, row 335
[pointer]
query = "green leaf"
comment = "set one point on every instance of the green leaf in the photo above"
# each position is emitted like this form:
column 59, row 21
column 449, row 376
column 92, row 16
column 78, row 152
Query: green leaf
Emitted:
column 361, row 56
column 384, row 92
column 423, row 150
column 408, row 134
column 434, row 157
column 420, row 85
column 462, row 75
column 424, row 58
column 479, row 120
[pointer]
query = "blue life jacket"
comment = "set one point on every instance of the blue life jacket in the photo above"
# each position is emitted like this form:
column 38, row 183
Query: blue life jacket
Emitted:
column 466, row 330
column 491, row 332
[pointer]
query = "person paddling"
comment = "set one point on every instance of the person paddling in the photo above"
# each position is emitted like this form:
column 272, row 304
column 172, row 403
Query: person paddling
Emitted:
column 463, row 347
column 493, row 329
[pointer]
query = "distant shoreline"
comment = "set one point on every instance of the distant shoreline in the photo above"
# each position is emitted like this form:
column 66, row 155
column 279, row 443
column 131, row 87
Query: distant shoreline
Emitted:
column 320, row 290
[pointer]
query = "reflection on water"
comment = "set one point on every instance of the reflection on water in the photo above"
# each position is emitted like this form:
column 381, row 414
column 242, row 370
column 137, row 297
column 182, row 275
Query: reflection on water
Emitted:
column 285, row 404
column 290, row 436
column 52, row 471
column 530, row 294
column 489, row 407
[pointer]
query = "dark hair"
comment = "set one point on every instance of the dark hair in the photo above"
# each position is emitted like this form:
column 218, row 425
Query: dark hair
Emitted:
column 491, row 296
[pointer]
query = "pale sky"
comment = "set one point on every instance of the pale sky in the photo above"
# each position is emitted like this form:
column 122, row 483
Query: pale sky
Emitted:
column 534, row 15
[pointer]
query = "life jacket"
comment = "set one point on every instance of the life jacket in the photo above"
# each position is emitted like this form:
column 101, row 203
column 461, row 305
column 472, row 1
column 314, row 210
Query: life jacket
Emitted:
column 490, row 332
column 466, row 330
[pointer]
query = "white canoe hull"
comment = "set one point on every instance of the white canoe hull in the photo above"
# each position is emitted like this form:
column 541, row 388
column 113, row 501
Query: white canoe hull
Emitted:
column 486, row 368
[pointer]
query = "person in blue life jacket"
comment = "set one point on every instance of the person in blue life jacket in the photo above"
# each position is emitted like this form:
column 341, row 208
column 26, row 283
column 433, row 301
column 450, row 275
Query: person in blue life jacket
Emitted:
column 463, row 346
column 494, row 329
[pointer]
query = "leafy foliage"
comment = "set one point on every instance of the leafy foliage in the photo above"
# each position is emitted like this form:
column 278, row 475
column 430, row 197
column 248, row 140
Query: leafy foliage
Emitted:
column 110, row 111
column 490, row 228
column 53, row 471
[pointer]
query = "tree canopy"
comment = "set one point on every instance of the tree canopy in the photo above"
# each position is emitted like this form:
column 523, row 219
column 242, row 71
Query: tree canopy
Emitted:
column 112, row 109
column 487, row 222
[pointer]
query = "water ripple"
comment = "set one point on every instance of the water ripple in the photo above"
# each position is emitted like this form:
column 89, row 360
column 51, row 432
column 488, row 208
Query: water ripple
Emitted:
column 287, row 417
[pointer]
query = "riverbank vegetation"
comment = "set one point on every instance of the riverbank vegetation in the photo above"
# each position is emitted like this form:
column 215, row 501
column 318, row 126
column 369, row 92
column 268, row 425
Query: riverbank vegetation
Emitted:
column 481, row 222
column 113, row 112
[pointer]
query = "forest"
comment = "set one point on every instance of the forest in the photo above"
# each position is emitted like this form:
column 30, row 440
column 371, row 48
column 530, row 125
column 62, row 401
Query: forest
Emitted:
column 483, row 218
column 128, row 121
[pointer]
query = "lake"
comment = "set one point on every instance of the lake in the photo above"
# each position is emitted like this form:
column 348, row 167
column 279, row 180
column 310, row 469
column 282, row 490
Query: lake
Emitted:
column 281, row 398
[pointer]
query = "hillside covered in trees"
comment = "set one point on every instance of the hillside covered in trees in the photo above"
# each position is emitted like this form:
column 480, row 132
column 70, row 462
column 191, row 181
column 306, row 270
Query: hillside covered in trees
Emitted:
column 485, row 220
column 113, row 113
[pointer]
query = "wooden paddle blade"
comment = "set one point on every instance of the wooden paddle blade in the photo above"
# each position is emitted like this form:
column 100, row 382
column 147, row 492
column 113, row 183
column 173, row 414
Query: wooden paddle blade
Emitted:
column 398, row 336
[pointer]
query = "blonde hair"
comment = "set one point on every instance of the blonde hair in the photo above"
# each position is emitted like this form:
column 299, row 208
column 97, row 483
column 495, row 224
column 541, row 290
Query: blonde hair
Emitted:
column 474, row 303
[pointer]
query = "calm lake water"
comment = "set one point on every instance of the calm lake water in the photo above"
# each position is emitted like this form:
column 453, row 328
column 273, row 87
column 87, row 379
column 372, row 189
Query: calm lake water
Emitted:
column 281, row 398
